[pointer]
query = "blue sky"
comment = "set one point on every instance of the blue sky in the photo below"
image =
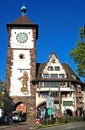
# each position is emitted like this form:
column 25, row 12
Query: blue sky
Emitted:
column 59, row 23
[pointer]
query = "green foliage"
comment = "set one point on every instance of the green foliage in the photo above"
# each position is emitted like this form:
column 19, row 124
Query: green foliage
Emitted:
column 48, row 121
column 78, row 54
column 82, row 33
column 3, row 94
column 61, row 120
column 68, row 119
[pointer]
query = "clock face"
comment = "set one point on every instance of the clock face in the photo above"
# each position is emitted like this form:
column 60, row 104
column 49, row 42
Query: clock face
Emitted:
column 22, row 37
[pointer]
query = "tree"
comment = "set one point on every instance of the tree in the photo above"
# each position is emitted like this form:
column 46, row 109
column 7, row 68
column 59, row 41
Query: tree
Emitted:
column 3, row 94
column 78, row 53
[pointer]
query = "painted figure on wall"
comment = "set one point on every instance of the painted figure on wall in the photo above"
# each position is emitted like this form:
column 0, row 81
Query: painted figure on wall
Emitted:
column 24, row 80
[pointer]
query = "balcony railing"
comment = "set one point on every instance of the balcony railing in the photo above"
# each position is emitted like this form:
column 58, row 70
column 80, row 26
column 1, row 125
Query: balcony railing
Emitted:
column 56, row 98
column 54, row 84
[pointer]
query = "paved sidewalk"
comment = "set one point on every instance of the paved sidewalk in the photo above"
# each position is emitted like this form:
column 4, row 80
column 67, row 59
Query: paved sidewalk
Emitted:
column 30, row 124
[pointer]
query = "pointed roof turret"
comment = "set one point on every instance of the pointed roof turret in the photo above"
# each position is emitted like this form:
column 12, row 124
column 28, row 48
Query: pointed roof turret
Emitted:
column 23, row 21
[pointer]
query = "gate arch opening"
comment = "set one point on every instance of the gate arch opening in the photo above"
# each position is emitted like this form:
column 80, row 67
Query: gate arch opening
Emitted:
column 20, row 106
column 43, row 112
column 69, row 112
column 20, row 111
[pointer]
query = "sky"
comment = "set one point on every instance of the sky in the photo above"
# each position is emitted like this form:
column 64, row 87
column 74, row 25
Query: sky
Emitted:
column 59, row 23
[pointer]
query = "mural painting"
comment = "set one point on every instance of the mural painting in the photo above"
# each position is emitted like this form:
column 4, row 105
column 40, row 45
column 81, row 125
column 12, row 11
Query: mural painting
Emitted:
column 24, row 80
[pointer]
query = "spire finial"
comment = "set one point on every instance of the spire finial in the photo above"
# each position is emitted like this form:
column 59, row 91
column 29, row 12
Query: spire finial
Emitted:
column 23, row 10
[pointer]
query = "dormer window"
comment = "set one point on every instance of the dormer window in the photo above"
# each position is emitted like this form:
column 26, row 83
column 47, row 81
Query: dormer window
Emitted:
column 50, row 68
column 46, row 76
column 57, row 68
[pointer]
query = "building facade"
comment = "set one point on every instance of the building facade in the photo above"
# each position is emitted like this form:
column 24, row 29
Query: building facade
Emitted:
column 28, row 83
column 63, row 84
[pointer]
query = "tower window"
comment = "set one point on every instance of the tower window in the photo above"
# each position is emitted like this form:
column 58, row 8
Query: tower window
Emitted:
column 21, row 56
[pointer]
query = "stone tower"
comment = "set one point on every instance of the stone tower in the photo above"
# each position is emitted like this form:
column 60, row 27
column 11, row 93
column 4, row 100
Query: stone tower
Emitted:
column 21, row 62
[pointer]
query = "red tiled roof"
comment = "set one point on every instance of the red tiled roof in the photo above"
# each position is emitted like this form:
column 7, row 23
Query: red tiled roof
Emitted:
column 69, row 72
column 41, row 66
column 22, row 20
column 39, row 69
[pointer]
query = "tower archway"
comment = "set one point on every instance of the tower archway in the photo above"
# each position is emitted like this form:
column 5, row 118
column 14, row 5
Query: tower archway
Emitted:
column 20, row 106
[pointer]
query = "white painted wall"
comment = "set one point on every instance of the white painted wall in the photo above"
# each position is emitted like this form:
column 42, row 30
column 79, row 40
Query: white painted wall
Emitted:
column 28, row 45
column 24, row 64
column 57, row 63
column 20, row 65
